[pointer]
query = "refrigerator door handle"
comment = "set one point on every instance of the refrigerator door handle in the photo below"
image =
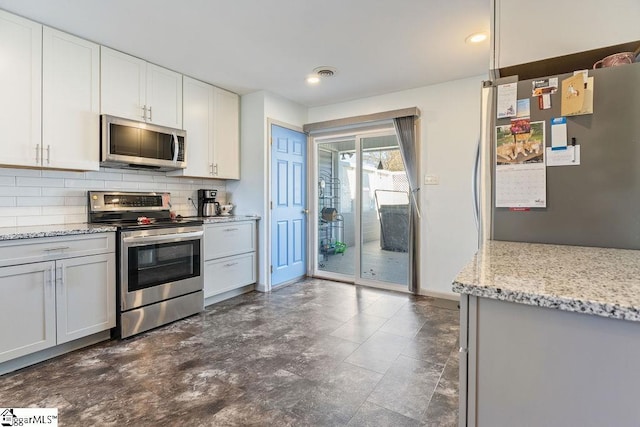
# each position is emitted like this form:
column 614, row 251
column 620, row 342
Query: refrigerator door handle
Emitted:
column 474, row 187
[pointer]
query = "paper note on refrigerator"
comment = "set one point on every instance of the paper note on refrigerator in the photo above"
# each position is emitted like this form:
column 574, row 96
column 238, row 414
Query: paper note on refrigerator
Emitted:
column 568, row 157
column 559, row 133
column 577, row 95
column 507, row 99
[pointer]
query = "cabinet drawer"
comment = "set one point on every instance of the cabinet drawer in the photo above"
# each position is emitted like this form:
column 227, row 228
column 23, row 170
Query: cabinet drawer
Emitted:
column 24, row 251
column 228, row 239
column 222, row 275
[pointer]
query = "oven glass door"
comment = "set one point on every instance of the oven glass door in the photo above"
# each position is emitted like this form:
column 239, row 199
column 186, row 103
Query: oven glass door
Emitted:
column 156, row 264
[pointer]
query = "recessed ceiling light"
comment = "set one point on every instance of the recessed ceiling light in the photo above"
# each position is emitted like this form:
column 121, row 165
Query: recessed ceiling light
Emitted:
column 476, row 38
column 313, row 80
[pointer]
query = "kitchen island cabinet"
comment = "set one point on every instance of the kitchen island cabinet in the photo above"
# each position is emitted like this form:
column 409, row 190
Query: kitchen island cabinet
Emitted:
column 56, row 292
column 550, row 335
column 229, row 257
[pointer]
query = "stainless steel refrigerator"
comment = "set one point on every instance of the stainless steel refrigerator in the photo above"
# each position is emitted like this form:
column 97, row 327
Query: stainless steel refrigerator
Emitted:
column 594, row 204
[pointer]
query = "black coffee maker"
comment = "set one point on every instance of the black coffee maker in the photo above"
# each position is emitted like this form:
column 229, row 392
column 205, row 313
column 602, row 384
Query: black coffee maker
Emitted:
column 207, row 205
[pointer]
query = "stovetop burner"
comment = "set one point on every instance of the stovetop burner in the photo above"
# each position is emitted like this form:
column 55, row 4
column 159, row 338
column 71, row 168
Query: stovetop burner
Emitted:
column 128, row 210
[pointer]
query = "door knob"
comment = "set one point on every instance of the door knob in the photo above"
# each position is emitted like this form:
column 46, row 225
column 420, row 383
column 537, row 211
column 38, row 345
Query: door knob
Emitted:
column 305, row 211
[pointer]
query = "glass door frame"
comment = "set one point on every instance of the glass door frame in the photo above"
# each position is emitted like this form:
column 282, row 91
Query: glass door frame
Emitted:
column 355, row 278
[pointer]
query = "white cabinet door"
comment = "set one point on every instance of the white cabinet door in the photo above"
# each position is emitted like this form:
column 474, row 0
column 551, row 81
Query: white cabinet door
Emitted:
column 226, row 127
column 198, row 122
column 122, row 85
column 222, row 275
column 27, row 317
column 164, row 97
column 20, row 90
column 567, row 27
column 86, row 296
column 134, row 89
column 231, row 238
column 70, row 101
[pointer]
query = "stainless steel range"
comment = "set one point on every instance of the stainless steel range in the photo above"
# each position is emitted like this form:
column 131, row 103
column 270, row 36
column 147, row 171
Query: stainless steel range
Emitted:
column 160, row 259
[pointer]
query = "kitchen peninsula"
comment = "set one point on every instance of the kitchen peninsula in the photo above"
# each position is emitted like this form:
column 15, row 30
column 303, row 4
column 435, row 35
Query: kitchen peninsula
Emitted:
column 550, row 335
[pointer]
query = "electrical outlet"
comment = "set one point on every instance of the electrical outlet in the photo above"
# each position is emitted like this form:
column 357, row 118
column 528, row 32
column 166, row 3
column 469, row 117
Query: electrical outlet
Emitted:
column 431, row 180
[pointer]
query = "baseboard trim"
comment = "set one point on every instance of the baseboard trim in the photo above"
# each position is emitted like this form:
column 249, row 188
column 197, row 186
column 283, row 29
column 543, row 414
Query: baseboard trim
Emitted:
column 441, row 295
column 229, row 294
column 50, row 353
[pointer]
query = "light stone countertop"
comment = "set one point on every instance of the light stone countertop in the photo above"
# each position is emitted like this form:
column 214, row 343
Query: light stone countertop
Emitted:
column 598, row 281
column 228, row 218
column 55, row 230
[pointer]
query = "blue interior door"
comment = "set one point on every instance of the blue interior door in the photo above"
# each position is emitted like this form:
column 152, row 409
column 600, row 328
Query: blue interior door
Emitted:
column 288, row 198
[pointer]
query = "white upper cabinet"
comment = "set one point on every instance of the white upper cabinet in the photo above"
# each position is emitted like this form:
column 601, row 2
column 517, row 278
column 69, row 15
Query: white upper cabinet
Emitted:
column 20, row 91
column 137, row 90
column 528, row 31
column 164, row 96
column 70, row 102
column 226, row 127
column 198, row 122
column 123, row 85
column 211, row 119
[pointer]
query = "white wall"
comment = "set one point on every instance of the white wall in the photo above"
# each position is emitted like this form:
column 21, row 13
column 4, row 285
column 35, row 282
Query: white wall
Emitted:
column 449, row 131
column 40, row 197
column 251, row 193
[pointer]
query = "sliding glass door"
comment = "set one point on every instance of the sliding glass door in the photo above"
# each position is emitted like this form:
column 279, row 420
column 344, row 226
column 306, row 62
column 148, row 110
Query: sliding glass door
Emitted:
column 362, row 210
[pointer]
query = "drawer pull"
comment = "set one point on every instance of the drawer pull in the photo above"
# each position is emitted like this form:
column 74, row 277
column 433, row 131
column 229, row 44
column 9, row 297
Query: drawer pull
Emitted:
column 59, row 248
column 230, row 229
column 230, row 264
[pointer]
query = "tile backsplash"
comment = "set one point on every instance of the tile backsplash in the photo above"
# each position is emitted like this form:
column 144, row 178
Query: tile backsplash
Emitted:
column 40, row 197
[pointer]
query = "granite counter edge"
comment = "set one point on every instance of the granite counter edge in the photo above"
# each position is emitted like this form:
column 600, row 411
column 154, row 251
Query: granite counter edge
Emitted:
column 18, row 235
column 611, row 311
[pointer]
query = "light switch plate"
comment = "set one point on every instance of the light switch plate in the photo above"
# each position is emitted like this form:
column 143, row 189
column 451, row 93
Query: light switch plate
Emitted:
column 431, row 180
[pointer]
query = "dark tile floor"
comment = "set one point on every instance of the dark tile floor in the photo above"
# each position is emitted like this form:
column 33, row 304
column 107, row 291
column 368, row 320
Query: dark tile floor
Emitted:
column 315, row 353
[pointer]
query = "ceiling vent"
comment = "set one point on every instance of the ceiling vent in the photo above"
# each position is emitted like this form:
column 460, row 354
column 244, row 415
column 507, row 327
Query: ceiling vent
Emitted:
column 325, row 72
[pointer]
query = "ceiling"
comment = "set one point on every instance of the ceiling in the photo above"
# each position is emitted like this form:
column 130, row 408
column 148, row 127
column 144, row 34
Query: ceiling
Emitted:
column 377, row 46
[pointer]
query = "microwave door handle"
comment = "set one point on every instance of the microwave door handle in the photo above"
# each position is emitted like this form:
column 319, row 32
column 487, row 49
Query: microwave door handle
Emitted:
column 175, row 147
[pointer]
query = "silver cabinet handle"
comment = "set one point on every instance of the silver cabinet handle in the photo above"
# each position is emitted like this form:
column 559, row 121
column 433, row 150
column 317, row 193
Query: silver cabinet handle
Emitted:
column 176, row 147
column 150, row 114
column 58, row 248
column 144, row 113
column 230, row 264
column 52, row 277
column 37, row 154
column 48, row 154
column 305, row 211
column 215, row 169
column 210, row 168
column 230, row 229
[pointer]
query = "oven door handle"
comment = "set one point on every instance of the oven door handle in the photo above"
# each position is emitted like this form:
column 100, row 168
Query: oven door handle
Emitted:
column 149, row 240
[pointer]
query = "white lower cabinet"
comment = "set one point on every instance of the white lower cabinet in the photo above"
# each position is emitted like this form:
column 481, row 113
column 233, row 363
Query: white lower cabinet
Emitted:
column 28, row 315
column 229, row 273
column 85, row 300
column 230, row 256
column 57, row 301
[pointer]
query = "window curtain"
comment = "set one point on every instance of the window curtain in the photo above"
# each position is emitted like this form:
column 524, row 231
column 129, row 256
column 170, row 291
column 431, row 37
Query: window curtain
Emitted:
column 406, row 132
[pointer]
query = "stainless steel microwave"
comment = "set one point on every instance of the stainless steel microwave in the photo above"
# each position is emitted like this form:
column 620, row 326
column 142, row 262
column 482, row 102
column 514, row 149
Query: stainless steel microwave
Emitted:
column 137, row 145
